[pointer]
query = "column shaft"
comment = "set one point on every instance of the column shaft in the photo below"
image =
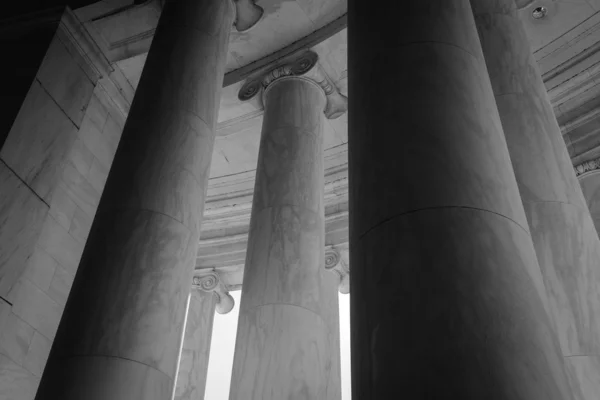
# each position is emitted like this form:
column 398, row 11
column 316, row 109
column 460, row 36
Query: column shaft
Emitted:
column 446, row 291
column 283, row 348
column 566, row 242
column 121, row 329
column 193, row 362
column 334, row 386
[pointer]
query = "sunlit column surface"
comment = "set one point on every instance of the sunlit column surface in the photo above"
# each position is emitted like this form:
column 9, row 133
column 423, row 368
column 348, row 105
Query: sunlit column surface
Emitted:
column 566, row 242
column 288, row 308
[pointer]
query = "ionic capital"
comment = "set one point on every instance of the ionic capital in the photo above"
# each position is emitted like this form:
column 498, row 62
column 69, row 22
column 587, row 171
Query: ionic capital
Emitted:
column 211, row 283
column 247, row 14
column 305, row 66
column 335, row 263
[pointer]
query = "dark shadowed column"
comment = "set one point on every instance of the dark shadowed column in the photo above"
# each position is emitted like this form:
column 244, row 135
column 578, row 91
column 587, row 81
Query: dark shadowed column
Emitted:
column 284, row 342
column 121, row 329
column 447, row 297
column 563, row 232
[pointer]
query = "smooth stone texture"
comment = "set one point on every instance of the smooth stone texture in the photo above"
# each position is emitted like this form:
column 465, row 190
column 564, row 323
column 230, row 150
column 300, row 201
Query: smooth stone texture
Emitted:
column 284, row 341
column 101, row 378
column 564, row 245
column 120, row 334
column 22, row 215
column 453, row 149
column 286, row 354
column 193, row 362
column 65, row 81
column 583, row 372
column 447, row 298
column 457, row 313
column 39, row 141
column 15, row 381
column 590, row 186
column 565, row 239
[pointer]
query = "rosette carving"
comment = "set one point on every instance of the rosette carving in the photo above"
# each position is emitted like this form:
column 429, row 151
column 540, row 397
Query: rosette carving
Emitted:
column 305, row 65
column 211, row 283
column 586, row 167
column 335, row 264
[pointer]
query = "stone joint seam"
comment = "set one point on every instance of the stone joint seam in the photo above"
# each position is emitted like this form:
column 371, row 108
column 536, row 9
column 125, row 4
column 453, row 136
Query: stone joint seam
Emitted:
column 386, row 220
column 65, row 357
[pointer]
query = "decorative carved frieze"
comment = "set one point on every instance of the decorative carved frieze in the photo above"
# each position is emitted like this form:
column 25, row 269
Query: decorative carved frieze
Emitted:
column 587, row 167
column 335, row 263
column 211, row 283
column 305, row 65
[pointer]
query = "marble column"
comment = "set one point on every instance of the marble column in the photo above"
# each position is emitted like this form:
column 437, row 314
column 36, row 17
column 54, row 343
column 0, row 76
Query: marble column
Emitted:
column 447, row 296
column 283, row 348
column 338, row 280
column 207, row 294
column 120, row 333
column 563, row 232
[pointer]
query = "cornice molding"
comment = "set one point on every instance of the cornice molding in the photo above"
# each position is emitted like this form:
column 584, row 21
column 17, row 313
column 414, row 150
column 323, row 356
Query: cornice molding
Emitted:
column 587, row 168
column 335, row 264
column 301, row 44
column 302, row 65
column 210, row 282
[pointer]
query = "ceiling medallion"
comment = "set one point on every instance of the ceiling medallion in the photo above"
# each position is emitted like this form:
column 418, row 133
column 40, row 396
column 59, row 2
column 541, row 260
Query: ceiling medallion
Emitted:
column 539, row 12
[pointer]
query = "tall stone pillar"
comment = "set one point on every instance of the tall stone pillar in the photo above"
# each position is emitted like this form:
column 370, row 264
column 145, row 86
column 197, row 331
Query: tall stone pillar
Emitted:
column 283, row 348
column 120, row 333
column 446, row 291
column 338, row 280
column 563, row 232
column 207, row 294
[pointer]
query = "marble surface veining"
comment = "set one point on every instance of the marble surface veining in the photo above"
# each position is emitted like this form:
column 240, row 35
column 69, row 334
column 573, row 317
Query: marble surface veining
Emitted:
column 193, row 363
column 584, row 373
column 590, row 186
column 284, row 353
column 286, row 338
column 128, row 299
column 447, row 296
column 565, row 239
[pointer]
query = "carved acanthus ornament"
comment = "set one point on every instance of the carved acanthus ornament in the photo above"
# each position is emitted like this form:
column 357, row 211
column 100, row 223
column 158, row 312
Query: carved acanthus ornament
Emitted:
column 587, row 167
column 211, row 283
column 305, row 66
column 335, row 263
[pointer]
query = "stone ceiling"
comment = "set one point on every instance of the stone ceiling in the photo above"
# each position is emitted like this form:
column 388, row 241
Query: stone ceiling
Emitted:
column 565, row 43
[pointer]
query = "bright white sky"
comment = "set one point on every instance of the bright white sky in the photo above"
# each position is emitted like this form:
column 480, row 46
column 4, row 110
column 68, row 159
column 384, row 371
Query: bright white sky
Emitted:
column 223, row 343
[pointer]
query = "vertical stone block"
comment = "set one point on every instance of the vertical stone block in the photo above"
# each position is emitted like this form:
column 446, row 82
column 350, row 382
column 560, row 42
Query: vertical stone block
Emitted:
column 35, row 307
column 15, row 381
column 65, row 81
column 15, row 338
column 37, row 354
column 39, row 142
column 22, row 214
